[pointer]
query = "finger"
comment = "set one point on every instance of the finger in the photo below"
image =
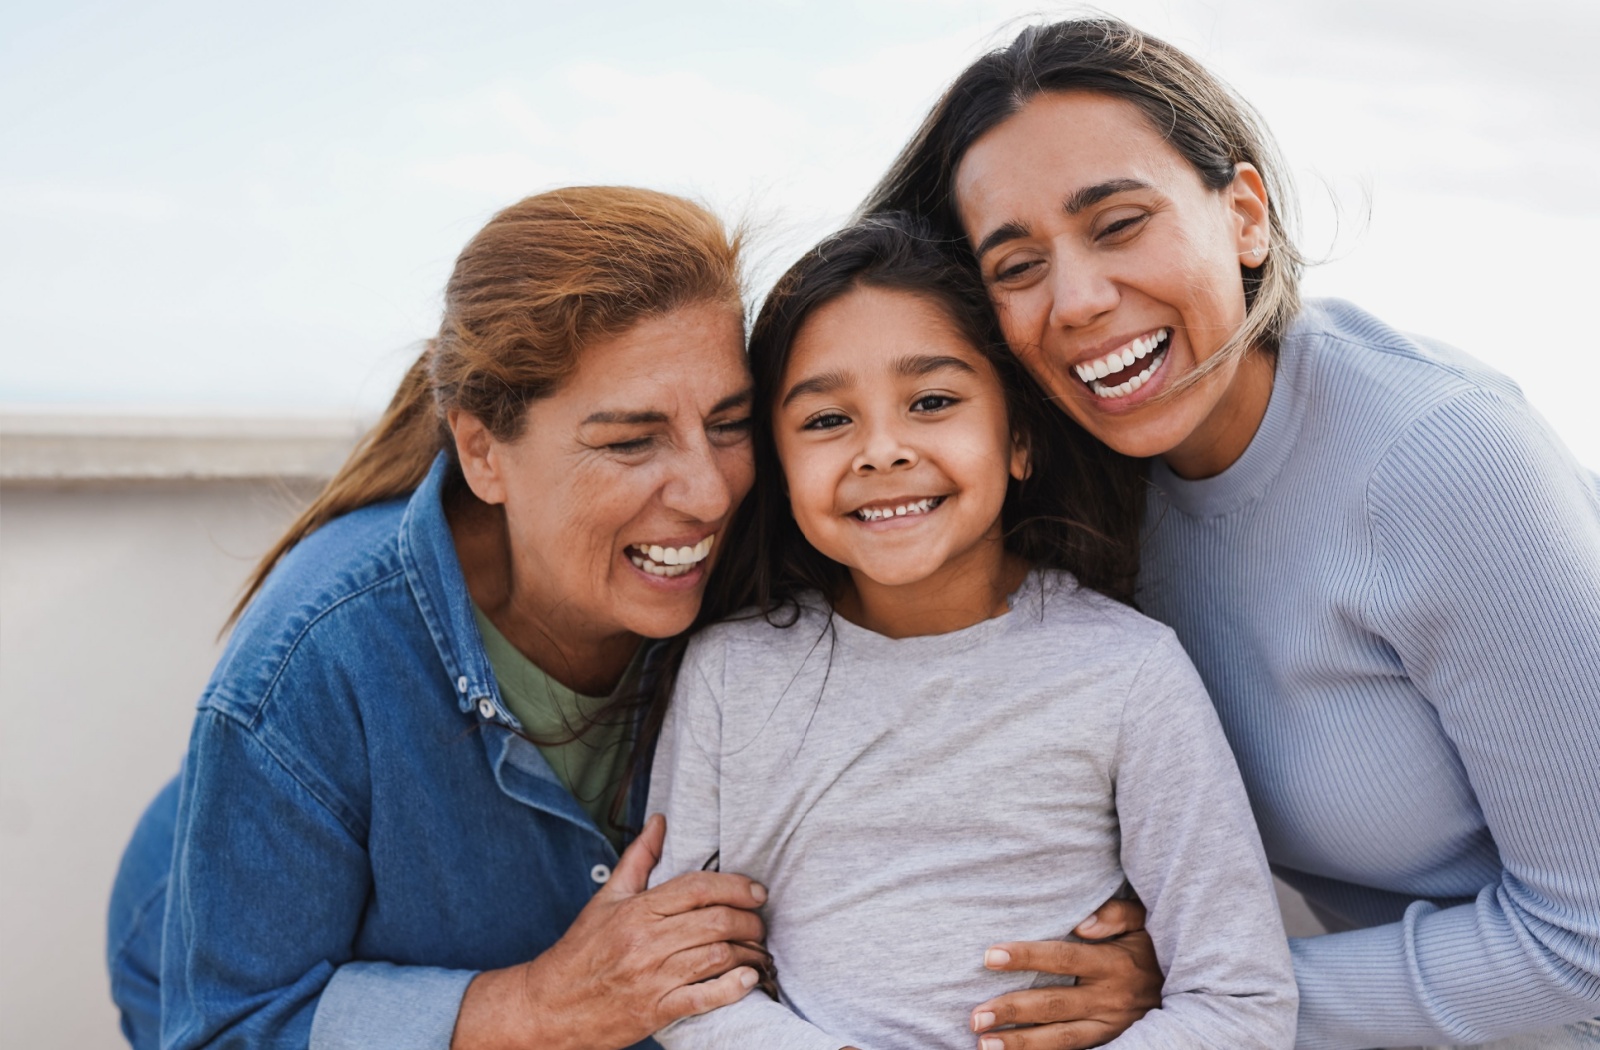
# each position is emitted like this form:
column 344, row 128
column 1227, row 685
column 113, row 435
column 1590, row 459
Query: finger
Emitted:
column 1112, row 919
column 713, row 960
column 689, row 999
column 1074, row 1035
column 1067, row 958
column 1033, row 1006
column 704, row 889
column 703, row 926
column 632, row 873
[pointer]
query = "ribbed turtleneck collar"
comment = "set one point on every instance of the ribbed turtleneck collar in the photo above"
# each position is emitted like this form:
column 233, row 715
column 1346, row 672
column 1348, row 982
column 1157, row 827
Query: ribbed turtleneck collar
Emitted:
column 1252, row 473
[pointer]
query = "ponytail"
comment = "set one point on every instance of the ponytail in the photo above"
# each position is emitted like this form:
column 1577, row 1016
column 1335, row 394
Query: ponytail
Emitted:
column 390, row 461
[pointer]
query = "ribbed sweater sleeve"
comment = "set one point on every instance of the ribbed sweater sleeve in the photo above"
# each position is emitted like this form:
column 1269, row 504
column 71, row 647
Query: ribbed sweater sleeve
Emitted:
column 1485, row 580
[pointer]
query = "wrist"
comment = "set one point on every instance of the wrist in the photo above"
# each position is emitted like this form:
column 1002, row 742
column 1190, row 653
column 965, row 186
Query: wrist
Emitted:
column 503, row 1010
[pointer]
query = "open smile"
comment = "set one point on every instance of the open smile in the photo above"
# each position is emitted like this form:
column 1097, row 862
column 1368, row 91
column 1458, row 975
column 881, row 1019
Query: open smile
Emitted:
column 909, row 509
column 1129, row 367
column 669, row 561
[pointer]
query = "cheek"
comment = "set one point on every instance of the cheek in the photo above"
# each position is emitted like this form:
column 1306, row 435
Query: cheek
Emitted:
column 807, row 476
column 738, row 468
column 1020, row 317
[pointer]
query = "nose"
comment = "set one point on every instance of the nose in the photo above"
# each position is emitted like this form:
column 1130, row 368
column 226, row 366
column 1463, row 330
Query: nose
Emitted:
column 884, row 449
column 698, row 488
column 1080, row 290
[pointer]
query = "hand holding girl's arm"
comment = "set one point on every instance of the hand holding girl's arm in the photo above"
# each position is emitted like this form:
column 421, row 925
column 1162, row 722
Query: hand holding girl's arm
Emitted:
column 634, row 960
column 1118, row 981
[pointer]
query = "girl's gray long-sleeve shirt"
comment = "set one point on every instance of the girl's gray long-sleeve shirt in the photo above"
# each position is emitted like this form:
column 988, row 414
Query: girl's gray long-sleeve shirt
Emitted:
column 909, row 803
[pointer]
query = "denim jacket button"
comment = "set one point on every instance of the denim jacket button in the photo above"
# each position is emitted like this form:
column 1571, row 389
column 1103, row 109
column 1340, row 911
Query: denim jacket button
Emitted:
column 600, row 873
column 486, row 708
column 461, row 684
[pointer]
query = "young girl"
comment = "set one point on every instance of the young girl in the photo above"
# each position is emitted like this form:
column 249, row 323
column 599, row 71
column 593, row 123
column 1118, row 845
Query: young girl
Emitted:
column 936, row 727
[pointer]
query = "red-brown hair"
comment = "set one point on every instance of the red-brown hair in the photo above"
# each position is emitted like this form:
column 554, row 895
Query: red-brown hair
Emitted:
column 542, row 280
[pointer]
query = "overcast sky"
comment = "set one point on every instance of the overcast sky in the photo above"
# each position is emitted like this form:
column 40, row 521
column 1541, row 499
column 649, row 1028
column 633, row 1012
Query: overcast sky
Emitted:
column 211, row 205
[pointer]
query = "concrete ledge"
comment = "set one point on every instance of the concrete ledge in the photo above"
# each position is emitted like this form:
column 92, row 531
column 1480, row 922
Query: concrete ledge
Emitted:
column 52, row 447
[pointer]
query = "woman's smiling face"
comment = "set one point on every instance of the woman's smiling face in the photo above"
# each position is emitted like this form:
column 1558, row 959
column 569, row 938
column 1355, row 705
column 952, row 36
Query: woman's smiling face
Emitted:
column 618, row 489
column 1115, row 272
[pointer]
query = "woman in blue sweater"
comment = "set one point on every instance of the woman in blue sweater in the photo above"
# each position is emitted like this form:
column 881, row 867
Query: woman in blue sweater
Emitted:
column 1384, row 564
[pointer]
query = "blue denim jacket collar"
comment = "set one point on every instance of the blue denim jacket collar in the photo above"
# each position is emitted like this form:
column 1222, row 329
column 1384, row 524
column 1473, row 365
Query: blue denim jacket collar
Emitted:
column 428, row 554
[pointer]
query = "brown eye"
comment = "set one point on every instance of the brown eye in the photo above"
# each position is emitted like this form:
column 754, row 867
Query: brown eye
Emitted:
column 826, row 421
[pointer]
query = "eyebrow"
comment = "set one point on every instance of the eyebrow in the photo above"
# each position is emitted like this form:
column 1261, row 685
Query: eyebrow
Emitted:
column 916, row 365
column 909, row 365
column 1075, row 202
column 657, row 416
column 821, row 383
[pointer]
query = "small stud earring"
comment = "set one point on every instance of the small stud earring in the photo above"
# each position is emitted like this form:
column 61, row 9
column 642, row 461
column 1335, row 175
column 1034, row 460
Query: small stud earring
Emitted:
column 1256, row 251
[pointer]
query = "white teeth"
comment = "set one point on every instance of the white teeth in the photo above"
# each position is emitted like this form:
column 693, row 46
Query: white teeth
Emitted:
column 1117, row 360
column 1128, row 387
column 921, row 506
column 670, row 561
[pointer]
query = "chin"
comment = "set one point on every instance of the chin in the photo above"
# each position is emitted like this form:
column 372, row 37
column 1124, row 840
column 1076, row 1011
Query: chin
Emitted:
column 664, row 622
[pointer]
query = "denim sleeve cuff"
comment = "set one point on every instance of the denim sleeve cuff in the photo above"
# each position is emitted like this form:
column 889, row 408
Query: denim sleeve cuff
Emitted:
column 369, row 1005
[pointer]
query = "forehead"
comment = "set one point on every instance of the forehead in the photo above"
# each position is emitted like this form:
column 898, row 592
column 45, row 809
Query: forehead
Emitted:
column 692, row 354
column 868, row 328
column 1061, row 141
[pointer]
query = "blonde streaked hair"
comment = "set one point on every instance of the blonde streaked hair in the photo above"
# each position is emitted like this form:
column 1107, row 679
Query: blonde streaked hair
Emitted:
column 1198, row 115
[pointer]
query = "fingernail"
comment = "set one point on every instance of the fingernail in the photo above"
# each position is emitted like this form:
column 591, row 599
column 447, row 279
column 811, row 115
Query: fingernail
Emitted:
column 990, row 1042
column 748, row 978
column 982, row 1020
column 996, row 957
column 1088, row 927
column 759, row 892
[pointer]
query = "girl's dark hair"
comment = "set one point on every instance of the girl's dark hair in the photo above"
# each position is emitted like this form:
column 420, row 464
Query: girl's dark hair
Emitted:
column 1079, row 510
column 1198, row 116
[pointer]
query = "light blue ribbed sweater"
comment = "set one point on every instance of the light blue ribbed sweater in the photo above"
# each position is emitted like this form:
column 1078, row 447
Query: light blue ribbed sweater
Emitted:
column 1394, row 600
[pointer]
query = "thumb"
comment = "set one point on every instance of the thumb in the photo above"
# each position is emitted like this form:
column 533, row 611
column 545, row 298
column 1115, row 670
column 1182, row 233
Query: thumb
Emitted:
column 632, row 873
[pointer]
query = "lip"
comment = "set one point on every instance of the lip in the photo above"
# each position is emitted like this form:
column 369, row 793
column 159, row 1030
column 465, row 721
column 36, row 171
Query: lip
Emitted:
column 687, row 581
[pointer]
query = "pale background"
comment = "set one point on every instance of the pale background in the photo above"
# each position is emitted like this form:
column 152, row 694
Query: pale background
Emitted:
column 236, row 211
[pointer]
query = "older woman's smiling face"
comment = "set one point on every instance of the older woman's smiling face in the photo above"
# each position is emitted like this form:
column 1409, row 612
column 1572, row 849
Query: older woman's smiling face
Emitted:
column 617, row 491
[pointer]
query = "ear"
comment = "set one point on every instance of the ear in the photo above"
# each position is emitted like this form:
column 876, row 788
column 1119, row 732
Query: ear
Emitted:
column 1021, row 460
column 482, row 462
column 1247, row 197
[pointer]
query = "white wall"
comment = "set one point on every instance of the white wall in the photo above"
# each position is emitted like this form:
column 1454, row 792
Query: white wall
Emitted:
column 112, row 593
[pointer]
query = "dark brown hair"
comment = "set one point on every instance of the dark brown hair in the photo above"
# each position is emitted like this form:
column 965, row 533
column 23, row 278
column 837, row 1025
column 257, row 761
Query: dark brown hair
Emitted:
column 1205, row 122
column 1079, row 510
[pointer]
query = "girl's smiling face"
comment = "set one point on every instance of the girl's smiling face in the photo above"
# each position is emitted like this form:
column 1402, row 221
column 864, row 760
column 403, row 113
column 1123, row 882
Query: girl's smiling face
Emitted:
column 895, row 443
column 1115, row 272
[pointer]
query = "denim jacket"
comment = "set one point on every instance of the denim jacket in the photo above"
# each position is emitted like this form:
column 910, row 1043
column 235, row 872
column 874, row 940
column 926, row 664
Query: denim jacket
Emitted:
column 357, row 830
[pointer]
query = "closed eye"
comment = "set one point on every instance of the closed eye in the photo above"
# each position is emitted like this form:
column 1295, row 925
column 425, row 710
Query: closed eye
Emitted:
column 1012, row 271
column 732, row 430
column 1121, row 226
column 635, row 445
